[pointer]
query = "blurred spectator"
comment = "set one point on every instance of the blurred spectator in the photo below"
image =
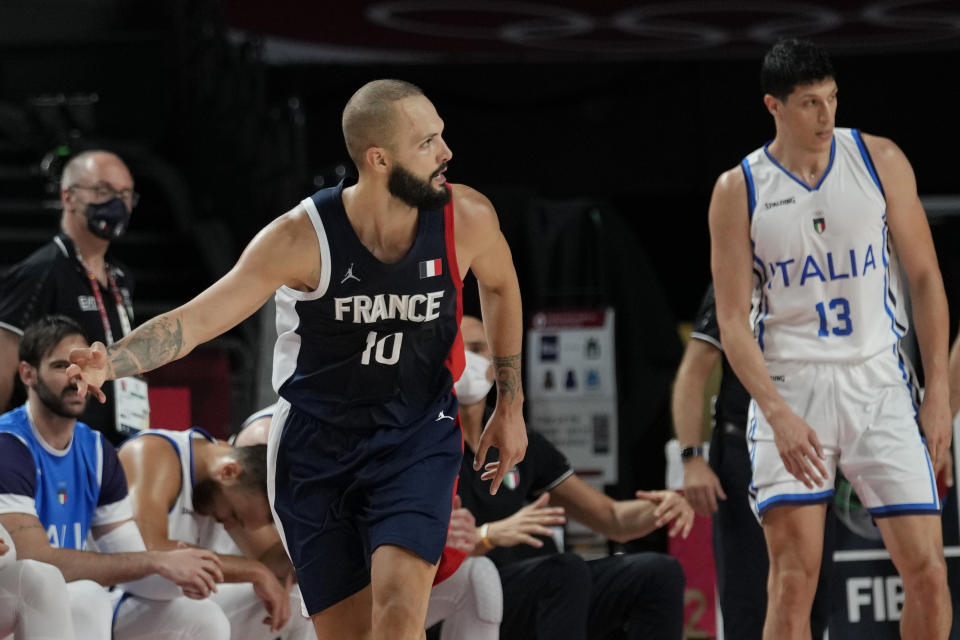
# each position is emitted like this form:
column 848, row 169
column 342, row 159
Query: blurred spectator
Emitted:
column 73, row 275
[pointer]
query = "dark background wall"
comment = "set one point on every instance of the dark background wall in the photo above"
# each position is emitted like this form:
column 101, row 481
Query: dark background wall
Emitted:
column 642, row 125
column 229, row 112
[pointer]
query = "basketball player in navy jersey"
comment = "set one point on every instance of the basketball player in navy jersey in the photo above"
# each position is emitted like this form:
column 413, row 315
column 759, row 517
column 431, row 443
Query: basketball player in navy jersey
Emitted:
column 364, row 449
column 811, row 228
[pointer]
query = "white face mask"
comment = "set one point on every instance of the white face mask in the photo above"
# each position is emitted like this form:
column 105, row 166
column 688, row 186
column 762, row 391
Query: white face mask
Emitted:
column 473, row 386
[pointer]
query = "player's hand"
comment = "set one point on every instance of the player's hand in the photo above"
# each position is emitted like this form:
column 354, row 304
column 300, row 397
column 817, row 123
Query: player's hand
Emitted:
column 701, row 486
column 275, row 597
column 462, row 533
column 4, row 547
column 671, row 508
column 90, row 367
column 934, row 418
column 196, row 571
column 799, row 448
column 531, row 520
column 509, row 436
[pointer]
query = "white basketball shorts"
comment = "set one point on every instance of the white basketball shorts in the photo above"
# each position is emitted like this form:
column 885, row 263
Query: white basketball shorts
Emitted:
column 865, row 417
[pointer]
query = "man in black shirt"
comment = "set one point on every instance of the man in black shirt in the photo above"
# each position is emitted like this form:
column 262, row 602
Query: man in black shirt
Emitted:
column 720, row 488
column 551, row 595
column 72, row 274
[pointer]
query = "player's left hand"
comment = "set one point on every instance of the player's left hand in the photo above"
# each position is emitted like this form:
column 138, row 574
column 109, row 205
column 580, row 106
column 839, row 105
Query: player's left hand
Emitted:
column 934, row 417
column 671, row 508
column 509, row 436
column 275, row 597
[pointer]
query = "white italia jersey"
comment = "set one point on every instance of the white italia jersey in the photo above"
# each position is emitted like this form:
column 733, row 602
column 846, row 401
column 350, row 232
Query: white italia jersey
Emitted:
column 828, row 286
column 182, row 522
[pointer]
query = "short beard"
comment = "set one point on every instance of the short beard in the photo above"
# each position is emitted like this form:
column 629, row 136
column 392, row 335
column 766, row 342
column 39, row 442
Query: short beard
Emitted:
column 415, row 192
column 53, row 402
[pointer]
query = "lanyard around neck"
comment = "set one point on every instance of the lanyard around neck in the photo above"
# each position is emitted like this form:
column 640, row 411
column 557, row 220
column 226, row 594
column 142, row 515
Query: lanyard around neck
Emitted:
column 121, row 310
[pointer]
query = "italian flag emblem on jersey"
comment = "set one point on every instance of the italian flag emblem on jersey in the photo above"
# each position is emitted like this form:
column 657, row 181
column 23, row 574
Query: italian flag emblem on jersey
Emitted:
column 430, row 268
column 512, row 479
column 819, row 224
column 62, row 495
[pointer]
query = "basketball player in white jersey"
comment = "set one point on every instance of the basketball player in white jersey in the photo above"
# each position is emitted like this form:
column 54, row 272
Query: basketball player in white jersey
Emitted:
column 811, row 229
column 188, row 487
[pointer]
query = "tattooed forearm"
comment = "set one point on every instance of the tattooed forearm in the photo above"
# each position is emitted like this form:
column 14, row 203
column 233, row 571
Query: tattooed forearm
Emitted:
column 507, row 374
column 154, row 344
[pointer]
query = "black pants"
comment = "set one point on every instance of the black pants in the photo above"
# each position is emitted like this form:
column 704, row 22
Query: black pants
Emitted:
column 740, row 549
column 563, row 597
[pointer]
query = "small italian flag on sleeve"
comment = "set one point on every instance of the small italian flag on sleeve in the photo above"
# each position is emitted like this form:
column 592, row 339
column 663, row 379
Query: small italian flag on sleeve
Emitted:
column 430, row 268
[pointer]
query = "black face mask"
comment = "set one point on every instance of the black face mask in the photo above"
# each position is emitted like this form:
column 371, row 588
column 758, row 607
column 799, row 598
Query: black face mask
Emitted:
column 108, row 220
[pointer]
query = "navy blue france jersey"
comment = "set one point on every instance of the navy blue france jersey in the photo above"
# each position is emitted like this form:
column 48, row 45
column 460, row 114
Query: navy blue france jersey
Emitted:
column 376, row 344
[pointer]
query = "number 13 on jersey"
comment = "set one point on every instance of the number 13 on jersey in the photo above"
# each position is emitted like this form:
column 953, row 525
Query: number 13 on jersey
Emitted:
column 840, row 322
column 379, row 348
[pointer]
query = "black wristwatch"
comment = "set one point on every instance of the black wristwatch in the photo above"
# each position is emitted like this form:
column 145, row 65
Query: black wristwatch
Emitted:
column 689, row 453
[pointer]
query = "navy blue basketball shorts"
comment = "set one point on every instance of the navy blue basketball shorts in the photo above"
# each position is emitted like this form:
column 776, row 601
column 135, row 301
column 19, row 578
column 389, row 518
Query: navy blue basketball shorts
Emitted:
column 339, row 493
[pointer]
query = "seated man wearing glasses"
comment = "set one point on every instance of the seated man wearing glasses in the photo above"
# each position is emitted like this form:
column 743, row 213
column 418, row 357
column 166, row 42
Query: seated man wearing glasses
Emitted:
column 73, row 275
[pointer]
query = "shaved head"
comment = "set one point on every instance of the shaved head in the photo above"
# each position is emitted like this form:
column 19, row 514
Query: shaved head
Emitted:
column 91, row 167
column 368, row 117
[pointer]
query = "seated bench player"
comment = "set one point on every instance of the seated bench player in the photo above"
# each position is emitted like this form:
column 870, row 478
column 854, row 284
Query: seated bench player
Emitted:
column 60, row 480
column 188, row 487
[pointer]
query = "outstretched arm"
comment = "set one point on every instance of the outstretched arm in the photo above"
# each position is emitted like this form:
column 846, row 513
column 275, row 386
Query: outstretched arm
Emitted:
column 285, row 252
column 483, row 246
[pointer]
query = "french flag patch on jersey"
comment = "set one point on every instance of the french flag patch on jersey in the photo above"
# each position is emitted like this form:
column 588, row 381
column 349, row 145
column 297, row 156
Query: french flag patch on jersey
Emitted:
column 430, row 268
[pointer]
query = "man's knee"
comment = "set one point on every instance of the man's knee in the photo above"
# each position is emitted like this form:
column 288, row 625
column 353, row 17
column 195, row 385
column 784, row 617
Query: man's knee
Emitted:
column 652, row 575
column 179, row 619
column 928, row 575
column 90, row 609
column 792, row 586
column 566, row 570
column 486, row 589
column 39, row 580
column 667, row 572
column 200, row 619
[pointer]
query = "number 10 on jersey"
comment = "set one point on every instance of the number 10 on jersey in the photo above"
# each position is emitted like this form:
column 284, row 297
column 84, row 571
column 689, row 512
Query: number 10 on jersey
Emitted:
column 380, row 352
column 841, row 323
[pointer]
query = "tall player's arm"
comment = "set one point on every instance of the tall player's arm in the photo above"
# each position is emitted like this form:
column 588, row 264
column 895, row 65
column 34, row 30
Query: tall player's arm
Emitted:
column 285, row 252
column 911, row 237
column 482, row 248
column 731, row 260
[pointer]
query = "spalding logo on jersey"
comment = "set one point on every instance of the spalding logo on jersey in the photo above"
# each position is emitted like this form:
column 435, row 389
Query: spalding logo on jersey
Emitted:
column 365, row 309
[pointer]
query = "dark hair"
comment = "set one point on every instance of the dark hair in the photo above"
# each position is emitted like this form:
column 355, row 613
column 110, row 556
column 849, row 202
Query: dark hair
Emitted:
column 43, row 335
column 792, row 62
column 253, row 458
